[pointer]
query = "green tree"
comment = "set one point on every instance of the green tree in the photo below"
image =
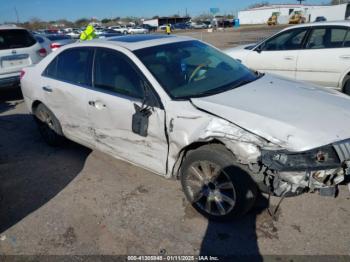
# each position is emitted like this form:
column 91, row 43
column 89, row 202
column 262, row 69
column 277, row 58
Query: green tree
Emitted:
column 105, row 20
column 261, row 4
column 82, row 22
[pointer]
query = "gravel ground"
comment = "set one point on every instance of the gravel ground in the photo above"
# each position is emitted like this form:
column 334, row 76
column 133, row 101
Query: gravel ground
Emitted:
column 72, row 200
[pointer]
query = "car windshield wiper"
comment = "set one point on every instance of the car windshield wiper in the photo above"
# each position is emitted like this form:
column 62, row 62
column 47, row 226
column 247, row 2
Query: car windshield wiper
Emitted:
column 247, row 81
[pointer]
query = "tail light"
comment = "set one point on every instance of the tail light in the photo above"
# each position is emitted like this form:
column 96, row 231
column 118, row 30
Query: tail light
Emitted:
column 42, row 52
column 21, row 75
column 54, row 46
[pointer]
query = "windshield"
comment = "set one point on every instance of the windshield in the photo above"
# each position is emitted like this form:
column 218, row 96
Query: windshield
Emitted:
column 193, row 69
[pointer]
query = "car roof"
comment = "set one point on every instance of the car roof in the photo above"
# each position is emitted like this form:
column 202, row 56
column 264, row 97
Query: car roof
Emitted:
column 135, row 42
column 7, row 27
column 324, row 23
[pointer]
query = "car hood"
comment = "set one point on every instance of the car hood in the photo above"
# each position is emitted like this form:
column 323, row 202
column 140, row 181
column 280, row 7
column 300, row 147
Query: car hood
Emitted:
column 294, row 115
column 240, row 47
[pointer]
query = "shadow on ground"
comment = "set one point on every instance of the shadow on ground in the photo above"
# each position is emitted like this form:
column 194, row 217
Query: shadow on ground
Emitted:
column 31, row 173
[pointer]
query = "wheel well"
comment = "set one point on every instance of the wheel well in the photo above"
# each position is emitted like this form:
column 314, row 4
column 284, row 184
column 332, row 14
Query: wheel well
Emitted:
column 193, row 146
column 35, row 105
column 346, row 78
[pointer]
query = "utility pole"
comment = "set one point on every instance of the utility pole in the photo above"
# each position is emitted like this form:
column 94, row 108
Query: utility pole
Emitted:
column 17, row 15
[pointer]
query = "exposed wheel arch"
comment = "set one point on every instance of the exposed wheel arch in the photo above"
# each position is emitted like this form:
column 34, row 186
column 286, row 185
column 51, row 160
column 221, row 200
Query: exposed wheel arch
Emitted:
column 35, row 104
column 346, row 84
column 193, row 146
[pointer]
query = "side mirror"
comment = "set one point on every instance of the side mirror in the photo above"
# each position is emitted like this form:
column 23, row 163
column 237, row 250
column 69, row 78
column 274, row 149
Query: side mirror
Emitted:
column 142, row 113
column 258, row 49
column 140, row 120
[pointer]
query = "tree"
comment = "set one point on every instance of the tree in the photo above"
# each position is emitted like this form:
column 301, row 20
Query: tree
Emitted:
column 261, row 4
column 202, row 17
column 105, row 20
column 82, row 22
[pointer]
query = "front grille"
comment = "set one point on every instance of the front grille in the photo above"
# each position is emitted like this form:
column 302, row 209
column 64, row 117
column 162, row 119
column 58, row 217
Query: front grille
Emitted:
column 343, row 149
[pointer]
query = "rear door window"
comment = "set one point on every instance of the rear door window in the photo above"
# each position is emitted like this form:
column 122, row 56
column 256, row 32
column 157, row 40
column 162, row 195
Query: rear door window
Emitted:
column 73, row 65
column 15, row 38
column 327, row 38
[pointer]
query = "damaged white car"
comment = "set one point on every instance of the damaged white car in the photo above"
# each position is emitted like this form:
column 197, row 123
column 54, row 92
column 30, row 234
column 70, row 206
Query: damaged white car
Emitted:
column 183, row 109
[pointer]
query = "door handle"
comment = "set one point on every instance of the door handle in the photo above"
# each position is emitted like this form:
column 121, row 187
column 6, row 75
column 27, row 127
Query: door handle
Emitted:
column 346, row 57
column 97, row 104
column 289, row 58
column 47, row 89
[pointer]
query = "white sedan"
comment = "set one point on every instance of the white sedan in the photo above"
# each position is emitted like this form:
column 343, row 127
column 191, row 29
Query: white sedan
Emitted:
column 318, row 53
column 137, row 30
column 185, row 110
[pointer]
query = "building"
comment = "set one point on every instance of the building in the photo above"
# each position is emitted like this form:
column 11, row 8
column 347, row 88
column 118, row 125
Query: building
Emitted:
column 260, row 15
column 166, row 20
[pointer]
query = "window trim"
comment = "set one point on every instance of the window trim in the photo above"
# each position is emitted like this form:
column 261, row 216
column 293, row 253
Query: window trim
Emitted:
column 326, row 27
column 280, row 33
column 44, row 73
column 158, row 102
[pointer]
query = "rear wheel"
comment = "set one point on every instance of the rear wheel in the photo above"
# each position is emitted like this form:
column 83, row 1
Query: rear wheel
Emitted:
column 215, row 184
column 49, row 126
column 346, row 88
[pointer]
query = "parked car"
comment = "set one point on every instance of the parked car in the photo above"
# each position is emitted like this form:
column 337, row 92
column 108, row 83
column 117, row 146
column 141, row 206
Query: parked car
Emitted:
column 137, row 30
column 199, row 26
column 59, row 40
column 318, row 53
column 18, row 49
column 183, row 109
column 109, row 33
column 74, row 34
column 320, row 19
column 181, row 26
column 150, row 28
column 120, row 28
column 44, row 42
column 163, row 27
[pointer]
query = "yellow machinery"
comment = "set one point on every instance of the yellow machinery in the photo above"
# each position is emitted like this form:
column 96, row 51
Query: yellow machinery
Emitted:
column 297, row 18
column 273, row 19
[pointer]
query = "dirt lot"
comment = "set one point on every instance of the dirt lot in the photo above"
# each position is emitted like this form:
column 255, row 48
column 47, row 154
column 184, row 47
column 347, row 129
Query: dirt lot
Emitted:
column 72, row 200
column 230, row 37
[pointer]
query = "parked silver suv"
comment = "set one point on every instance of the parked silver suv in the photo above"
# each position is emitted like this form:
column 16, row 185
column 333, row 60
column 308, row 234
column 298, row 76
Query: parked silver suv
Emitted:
column 18, row 49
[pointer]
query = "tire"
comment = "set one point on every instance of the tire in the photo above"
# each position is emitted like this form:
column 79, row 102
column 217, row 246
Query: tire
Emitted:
column 346, row 89
column 49, row 126
column 215, row 184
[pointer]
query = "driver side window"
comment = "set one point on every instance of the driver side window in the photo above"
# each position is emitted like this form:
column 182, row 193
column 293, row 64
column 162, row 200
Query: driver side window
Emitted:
column 289, row 40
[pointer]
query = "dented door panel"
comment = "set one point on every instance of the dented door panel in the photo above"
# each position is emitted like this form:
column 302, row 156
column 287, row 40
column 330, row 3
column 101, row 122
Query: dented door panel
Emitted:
column 112, row 128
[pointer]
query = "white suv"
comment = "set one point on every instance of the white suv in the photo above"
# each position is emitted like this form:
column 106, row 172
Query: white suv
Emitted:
column 18, row 49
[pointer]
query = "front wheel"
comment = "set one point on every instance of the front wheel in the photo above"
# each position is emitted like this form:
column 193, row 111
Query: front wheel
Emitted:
column 215, row 184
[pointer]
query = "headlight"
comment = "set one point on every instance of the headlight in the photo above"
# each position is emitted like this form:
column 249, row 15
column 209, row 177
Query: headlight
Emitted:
column 315, row 159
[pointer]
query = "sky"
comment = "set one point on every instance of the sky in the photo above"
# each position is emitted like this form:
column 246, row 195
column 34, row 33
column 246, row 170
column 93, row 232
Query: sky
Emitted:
column 49, row 10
